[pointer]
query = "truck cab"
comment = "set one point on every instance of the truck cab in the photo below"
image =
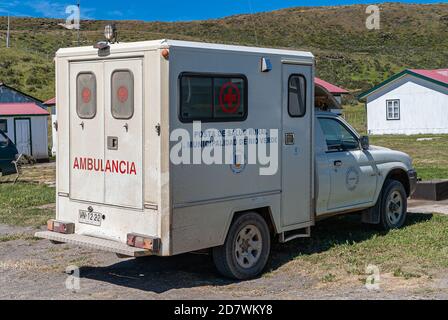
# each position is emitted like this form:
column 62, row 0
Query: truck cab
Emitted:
column 352, row 175
column 8, row 153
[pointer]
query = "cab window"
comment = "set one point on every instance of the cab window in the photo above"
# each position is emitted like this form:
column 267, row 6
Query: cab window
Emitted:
column 337, row 136
column 86, row 95
column 122, row 94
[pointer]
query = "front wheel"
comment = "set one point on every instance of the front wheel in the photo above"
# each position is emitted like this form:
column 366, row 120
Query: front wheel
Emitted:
column 394, row 205
column 246, row 251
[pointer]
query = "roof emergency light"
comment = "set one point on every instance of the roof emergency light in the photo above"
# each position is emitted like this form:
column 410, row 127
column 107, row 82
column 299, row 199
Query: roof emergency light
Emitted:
column 110, row 33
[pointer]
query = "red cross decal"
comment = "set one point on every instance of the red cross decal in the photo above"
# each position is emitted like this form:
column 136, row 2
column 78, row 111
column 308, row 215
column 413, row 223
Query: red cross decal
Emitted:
column 230, row 97
column 86, row 95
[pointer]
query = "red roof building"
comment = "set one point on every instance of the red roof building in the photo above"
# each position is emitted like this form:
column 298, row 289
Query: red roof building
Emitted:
column 26, row 124
column 50, row 102
column 330, row 87
column 411, row 102
column 22, row 109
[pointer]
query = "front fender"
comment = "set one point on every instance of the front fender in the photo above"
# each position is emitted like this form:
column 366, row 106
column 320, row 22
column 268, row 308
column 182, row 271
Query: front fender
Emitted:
column 389, row 169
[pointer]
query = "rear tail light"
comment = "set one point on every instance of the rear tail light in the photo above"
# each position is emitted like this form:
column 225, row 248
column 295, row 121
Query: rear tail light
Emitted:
column 143, row 242
column 61, row 227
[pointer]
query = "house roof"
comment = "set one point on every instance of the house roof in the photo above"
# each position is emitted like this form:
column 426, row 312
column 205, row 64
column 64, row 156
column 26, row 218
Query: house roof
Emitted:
column 50, row 102
column 22, row 109
column 330, row 87
column 2, row 84
column 438, row 76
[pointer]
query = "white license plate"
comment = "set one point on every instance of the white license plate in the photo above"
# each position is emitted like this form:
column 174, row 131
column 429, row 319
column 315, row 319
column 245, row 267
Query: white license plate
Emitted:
column 92, row 218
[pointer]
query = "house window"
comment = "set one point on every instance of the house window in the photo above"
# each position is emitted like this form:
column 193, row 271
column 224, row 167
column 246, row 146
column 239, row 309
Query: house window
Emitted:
column 212, row 98
column 393, row 109
column 4, row 125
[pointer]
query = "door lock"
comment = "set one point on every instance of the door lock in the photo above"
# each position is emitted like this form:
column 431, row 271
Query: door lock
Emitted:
column 290, row 139
column 112, row 143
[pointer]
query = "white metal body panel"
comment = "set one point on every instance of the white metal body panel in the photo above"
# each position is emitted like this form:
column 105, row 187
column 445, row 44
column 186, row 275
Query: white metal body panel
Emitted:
column 126, row 187
column 423, row 108
column 86, row 138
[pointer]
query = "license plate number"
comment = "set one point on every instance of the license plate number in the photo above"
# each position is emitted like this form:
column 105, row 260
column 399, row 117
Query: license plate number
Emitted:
column 92, row 218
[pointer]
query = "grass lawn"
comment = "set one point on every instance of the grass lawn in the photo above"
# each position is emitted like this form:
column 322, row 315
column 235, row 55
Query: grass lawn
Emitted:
column 21, row 204
column 430, row 156
column 343, row 246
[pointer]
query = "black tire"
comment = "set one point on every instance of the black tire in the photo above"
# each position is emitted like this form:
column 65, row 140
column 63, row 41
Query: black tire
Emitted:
column 390, row 216
column 230, row 262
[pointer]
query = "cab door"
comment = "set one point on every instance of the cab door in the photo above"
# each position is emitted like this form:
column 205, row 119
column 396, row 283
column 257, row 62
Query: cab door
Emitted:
column 124, row 132
column 353, row 171
column 297, row 145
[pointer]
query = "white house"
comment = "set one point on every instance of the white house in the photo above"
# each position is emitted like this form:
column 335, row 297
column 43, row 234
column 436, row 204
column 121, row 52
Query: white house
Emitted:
column 411, row 102
column 26, row 124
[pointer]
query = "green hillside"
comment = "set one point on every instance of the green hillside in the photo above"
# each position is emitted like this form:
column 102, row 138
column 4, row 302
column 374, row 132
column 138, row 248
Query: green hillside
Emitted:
column 347, row 52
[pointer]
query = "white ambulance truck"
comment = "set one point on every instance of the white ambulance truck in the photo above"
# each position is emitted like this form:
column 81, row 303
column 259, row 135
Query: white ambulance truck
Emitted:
column 119, row 190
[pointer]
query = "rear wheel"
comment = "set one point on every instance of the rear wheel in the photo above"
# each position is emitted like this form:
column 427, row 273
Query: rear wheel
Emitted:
column 246, row 251
column 393, row 205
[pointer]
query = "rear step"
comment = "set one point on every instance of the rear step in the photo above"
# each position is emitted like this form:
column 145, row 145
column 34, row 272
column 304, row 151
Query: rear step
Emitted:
column 94, row 243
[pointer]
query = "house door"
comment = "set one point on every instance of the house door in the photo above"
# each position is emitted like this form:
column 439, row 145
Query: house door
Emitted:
column 23, row 136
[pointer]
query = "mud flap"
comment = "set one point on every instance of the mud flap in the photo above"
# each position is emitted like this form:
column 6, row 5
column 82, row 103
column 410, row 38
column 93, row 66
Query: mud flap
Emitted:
column 373, row 215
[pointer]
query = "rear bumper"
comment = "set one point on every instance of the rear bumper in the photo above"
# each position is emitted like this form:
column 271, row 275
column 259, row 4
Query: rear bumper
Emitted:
column 413, row 178
column 94, row 243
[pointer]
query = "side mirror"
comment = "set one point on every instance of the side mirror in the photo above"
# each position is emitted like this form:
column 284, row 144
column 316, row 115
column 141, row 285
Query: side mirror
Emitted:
column 365, row 143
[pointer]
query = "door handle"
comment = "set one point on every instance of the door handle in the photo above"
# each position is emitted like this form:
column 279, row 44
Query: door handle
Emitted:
column 338, row 163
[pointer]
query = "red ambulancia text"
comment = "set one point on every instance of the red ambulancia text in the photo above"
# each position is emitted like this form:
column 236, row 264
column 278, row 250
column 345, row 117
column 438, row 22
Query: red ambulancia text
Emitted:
column 108, row 166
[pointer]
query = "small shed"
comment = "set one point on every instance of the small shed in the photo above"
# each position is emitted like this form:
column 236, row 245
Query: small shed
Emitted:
column 414, row 101
column 336, row 91
column 26, row 124
column 328, row 97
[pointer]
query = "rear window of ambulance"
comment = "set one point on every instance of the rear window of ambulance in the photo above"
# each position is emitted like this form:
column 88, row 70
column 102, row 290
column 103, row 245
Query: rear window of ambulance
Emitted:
column 86, row 95
column 122, row 94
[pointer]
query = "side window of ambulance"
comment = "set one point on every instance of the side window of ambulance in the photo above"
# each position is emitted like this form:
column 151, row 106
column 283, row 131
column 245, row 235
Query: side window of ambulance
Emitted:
column 86, row 95
column 297, row 95
column 338, row 137
column 213, row 98
column 122, row 94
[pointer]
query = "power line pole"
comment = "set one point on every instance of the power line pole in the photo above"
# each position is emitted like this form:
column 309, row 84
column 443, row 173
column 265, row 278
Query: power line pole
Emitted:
column 79, row 27
column 7, row 34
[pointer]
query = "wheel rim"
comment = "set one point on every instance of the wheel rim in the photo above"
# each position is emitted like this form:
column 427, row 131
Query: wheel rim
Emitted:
column 394, row 207
column 248, row 246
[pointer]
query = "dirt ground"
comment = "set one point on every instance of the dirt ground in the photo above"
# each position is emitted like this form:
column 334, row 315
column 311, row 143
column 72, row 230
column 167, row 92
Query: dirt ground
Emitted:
column 36, row 269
